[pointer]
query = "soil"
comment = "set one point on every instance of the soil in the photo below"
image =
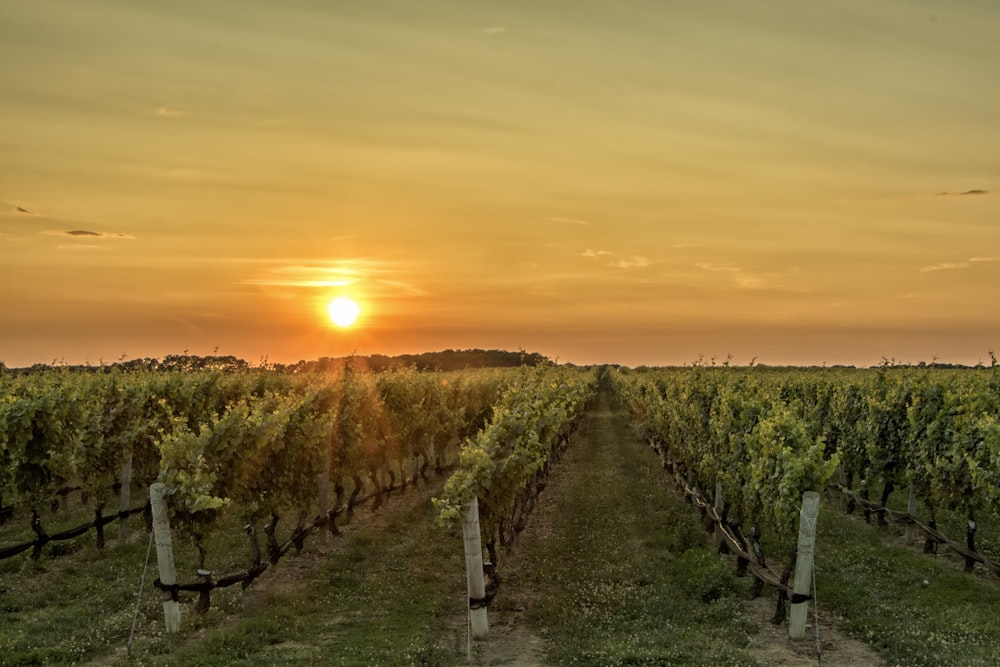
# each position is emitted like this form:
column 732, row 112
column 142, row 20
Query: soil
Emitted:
column 772, row 645
column 511, row 642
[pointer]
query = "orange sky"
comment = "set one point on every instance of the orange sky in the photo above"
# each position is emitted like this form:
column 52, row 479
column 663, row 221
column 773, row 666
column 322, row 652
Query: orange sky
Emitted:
column 630, row 182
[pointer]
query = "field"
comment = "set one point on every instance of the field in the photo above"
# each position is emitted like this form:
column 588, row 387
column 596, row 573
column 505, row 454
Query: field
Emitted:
column 613, row 567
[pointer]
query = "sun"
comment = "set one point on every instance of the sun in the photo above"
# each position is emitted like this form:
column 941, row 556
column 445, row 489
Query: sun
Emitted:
column 343, row 311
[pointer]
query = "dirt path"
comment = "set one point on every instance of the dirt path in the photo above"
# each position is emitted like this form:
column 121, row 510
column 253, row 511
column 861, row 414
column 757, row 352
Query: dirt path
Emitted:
column 592, row 579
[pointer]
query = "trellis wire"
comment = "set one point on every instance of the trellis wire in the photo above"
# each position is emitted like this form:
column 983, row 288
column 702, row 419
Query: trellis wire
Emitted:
column 138, row 596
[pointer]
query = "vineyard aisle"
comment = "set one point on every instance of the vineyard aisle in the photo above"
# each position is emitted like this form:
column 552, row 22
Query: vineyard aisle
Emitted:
column 615, row 568
column 379, row 594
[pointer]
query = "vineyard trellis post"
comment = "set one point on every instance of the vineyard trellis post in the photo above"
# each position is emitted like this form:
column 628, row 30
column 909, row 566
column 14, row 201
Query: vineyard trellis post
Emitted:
column 803, row 565
column 165, row 554
column 478, row 622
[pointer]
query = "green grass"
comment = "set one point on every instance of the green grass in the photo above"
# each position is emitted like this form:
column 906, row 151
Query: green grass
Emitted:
column 914, row 609
column 614, row 569
column 379, row 598
column 623, row 575
column 379, row 595
column 951, row 523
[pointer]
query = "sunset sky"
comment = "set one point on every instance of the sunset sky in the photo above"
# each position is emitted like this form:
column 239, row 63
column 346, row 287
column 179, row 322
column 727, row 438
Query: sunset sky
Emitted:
column 637, row 182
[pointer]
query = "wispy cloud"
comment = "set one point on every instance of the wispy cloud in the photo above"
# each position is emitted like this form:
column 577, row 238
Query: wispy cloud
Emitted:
column 944, row 266
column 405, row 287
column 742, row 278
column 953, row 266
column 618, row 261
column 749, row 281
column 49, row 226
column 340, row 273
column 15, row 210
column 716, row 268
column 630, row 263
column 170, row 112
column 570, row 221
column 308, row 276
column 100, row 235
column 84, row 239
column 494, row 30
column 964, row 194
column 86, row 233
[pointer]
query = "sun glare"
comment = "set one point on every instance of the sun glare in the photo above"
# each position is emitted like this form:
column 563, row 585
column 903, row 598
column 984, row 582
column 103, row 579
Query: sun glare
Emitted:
column 343, row 311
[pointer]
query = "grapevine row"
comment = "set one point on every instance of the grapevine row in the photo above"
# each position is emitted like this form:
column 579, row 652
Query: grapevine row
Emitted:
column 252, row 443
column 768, row 435
column 505, row 464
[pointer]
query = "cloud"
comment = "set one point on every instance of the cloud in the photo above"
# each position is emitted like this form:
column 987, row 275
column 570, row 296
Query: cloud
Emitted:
column 70, row 227
column 631, row 263
column 570, row 221
column 944, row 266
column 742, row 279
column 170, row 112
column 494, row 30
column 321, row 279
column 86, row 233
column 964, row 194
column 100, row 235
column 749, row 281
column 724, row 269
column 341, row 273
column 406, row 287
column 15, row 210
column 952, row 266
column 619, row 261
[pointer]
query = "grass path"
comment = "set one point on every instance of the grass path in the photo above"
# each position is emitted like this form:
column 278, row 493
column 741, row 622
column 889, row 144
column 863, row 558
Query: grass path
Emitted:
column 614, row 569
column 379, row 595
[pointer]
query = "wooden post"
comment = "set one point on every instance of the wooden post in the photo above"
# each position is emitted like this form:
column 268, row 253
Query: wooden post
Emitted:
column 803, row 565
column 124, row 498
column 478, row 623
column 165, row 554
column 432, row 456
column 970, row 543
column 911, row 509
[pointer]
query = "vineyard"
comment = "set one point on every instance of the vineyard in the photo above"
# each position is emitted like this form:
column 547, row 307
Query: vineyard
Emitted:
column 253, row 443
column 760, row 438
column 255, row 463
